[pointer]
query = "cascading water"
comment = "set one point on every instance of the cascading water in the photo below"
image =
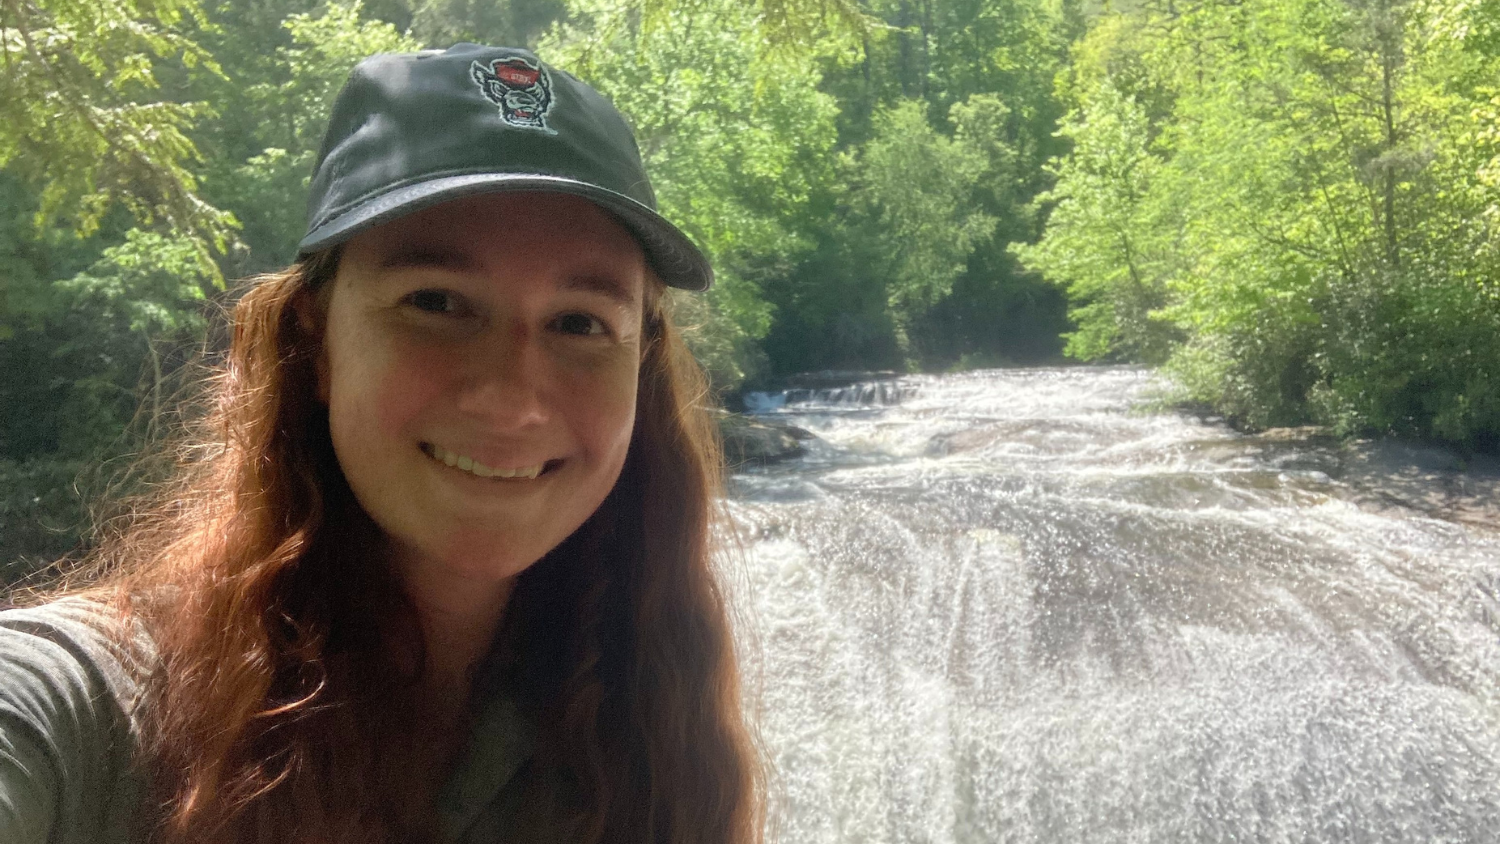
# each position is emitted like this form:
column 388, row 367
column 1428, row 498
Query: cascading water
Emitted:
column 1008, row 609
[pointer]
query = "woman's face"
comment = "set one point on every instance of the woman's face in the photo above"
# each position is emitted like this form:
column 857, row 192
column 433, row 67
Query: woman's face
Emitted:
column 479, row 366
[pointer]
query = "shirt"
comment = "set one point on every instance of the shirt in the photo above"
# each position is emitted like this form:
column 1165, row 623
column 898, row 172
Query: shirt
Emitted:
column 69, row 693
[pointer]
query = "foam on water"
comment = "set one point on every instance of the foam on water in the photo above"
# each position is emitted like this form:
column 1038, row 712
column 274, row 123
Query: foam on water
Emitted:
column 1009, row 608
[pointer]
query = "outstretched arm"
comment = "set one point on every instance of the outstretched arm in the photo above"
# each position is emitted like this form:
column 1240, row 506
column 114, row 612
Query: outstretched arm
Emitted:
column 66, row 741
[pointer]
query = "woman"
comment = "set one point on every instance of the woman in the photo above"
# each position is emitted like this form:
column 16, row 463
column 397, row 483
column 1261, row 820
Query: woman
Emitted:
column 436, row 566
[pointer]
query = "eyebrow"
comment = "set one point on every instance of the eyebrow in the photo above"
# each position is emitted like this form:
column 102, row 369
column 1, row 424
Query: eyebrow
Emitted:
column 603, row 284
column 424, row 255
column 441, row 257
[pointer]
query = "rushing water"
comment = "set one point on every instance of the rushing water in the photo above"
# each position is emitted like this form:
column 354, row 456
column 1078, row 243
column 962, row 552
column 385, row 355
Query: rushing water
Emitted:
column 1008, row 608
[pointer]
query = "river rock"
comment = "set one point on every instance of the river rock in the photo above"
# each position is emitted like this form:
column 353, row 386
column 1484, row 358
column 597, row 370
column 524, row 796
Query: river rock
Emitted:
column 831, row 379
column 1391, row 473
column 1301, row 433
column 972, row 439
column 757, row 441
column 1431, row 479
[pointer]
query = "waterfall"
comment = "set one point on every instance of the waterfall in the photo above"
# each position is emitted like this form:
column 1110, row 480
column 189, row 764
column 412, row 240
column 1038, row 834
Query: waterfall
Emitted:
column 1006, row 606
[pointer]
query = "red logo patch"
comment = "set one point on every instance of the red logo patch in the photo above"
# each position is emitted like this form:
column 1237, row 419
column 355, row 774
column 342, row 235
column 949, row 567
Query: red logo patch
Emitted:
column 515, row 73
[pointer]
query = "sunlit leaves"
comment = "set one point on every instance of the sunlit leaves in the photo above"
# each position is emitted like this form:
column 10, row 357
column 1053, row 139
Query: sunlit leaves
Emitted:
column 80, row 116
column 283, row 110
column 919, row 185
column 1109, row 237
column 783, row 25
column 151, row 283
column 735, row 138
column 1331, row 236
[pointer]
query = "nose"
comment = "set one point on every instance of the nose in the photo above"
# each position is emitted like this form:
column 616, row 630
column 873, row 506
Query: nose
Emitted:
column 505, row 380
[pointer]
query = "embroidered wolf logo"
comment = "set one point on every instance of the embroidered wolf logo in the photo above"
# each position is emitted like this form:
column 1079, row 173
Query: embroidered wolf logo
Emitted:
column 522, row 90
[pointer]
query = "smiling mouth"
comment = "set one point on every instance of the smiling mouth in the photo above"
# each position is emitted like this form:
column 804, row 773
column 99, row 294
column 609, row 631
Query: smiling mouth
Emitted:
column 464, row 463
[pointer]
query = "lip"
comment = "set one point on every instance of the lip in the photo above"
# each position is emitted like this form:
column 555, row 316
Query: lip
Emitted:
column 460, row 462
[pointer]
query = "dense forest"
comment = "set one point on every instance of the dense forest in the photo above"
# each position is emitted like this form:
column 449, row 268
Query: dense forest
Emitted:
column 1292, row 206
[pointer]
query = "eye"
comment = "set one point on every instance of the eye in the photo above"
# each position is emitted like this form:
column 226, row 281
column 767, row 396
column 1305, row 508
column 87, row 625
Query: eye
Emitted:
column 433, row 301
column 580, row 324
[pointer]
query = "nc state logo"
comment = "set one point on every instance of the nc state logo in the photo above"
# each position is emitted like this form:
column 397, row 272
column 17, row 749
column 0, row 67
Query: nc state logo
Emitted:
column 522, row 90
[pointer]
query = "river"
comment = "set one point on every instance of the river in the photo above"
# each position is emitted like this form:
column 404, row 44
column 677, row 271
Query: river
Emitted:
column 1006, row 606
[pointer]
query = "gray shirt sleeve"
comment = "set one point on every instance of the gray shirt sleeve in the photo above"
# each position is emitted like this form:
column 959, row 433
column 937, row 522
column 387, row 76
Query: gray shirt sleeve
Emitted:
column 68, row 688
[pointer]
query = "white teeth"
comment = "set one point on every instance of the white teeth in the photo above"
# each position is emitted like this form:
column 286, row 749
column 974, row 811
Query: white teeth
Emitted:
column 474, row 467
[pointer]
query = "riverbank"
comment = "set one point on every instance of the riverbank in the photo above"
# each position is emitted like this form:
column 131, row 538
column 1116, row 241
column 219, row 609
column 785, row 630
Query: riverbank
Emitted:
column 1392, row 474
column 1383, row 473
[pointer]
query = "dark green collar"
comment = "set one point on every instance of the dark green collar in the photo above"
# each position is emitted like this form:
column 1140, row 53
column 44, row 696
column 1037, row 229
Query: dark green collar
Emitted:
column 501, row 741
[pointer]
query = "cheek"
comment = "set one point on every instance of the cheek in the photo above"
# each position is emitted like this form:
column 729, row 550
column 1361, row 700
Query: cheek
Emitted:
column 377, row 395
column 603, row 408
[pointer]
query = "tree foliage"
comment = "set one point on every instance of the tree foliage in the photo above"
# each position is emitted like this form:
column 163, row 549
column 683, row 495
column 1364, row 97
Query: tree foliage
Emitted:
column 1294, row 209
column 736, row 139
column 108, row 284
column 1109, row 235
column 82, row 120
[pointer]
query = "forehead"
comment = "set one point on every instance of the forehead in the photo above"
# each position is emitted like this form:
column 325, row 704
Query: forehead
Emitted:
column 512, row 231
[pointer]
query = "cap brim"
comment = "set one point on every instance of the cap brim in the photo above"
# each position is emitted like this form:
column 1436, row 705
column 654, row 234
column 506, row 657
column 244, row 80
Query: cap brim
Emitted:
column 671, row 254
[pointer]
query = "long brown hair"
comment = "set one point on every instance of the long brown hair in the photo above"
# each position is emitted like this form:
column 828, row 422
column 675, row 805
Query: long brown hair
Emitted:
column 287, row 652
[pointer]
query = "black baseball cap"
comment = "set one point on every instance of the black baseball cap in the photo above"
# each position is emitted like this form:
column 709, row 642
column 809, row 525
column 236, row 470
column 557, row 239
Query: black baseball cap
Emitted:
column 413, row 130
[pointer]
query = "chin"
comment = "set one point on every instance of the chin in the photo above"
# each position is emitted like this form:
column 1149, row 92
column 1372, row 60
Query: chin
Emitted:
column 489, row 565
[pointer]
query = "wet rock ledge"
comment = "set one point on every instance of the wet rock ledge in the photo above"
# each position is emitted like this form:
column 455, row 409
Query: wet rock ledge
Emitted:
column 758, row 442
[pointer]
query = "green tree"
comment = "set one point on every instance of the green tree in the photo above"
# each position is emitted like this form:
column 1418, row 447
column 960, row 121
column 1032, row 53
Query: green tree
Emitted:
column 101, row 309
column 1109, row 237
column 1315, row 211
column 983, row 70
column 914, row 189
column 736, row 139
column 274, row 133
column 80, row 119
